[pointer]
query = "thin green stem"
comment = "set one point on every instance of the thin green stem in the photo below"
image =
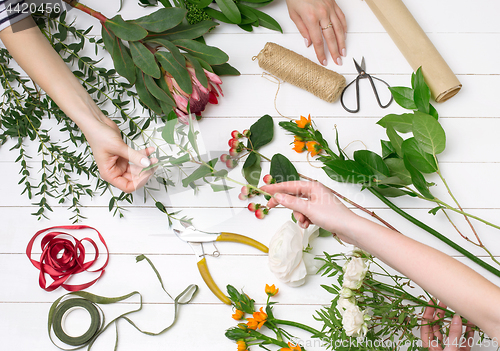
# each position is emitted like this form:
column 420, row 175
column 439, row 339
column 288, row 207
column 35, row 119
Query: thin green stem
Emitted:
column 298, row 325
column 435, row 233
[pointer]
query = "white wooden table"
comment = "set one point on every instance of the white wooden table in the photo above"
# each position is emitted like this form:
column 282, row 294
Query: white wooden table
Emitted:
column 467, row 37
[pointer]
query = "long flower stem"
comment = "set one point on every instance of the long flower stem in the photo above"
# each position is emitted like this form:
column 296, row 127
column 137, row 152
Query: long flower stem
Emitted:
column 87, row 10
column 435, row 233
column 298, row 325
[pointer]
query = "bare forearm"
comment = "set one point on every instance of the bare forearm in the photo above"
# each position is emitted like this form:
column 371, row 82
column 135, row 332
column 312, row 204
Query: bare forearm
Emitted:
column 458, row 286
column 31, row 50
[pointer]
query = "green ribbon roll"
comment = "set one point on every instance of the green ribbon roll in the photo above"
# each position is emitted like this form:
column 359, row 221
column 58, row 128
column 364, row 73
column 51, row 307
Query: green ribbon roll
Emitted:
column 63, row 309
column 81, row 299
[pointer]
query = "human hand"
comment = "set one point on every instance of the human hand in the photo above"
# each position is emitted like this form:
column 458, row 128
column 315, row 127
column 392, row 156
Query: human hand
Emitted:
column 432, row 337
column 312, row 202
column 317, row 20
column 118, row 164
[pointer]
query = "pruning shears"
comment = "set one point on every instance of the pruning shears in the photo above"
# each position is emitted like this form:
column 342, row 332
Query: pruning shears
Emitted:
column 196, row 238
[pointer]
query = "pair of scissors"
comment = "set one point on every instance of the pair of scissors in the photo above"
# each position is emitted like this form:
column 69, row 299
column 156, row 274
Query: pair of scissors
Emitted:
column 362, row 75
column 195, row 238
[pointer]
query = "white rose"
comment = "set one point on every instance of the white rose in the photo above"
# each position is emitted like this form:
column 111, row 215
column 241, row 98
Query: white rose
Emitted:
column 353, row 321
column 287, row 260
column 354, row 273
column 345, row 303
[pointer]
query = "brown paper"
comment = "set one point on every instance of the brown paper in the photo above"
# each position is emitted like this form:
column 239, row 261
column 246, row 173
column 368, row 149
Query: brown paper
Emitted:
column 416, row 47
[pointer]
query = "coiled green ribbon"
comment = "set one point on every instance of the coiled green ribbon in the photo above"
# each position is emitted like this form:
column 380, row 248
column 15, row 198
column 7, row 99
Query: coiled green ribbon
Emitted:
column 81, row 299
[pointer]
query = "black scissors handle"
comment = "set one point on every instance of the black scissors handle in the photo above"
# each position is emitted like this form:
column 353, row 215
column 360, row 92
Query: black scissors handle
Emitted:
column 362, row 76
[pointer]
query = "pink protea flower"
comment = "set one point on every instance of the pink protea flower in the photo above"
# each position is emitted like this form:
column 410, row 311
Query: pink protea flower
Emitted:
column 200, row 96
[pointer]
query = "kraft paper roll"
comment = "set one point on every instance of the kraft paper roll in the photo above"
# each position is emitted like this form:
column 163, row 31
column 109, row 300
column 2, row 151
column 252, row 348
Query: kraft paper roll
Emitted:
column 416, row 47
column 301, row 72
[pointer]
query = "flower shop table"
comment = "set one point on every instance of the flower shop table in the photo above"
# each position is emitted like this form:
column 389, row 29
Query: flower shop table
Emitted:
column 466, row 39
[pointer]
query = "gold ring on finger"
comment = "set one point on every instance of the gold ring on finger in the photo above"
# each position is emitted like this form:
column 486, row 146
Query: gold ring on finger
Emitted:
column 328, row 26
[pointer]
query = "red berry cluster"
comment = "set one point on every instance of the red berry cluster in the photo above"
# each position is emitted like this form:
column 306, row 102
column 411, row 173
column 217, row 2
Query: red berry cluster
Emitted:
column 236, row 146
column 260, row 210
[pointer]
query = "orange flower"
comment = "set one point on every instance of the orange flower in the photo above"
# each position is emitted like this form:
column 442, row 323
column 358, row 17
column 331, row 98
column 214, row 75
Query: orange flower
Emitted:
column 313, row 147
column 242, row 346
column 258, row 320
column 291, row 347
column 271, row 290
column 299, row 146
column 238, row 314
column 303, row 122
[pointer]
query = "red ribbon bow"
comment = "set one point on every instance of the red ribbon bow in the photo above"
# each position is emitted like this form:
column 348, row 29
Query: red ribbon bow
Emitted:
column 62, row 257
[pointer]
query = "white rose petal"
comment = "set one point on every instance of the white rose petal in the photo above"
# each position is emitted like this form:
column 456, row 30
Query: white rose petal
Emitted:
column 287, row 260
column 354, row 273
column 312, row 265
column 344, row 304
column 353, row 321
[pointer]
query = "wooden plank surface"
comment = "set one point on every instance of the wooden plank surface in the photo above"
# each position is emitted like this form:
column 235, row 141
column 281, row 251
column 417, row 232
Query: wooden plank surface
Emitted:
column 466, row 37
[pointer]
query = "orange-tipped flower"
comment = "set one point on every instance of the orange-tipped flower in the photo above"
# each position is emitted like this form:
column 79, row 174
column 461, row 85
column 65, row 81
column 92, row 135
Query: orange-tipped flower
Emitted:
column 303, row 122
column 238, row 314
column 291, row 347
column 258, row 320
column 299, row 146
column 242, row 346
column 271, row 290
column 313, row 147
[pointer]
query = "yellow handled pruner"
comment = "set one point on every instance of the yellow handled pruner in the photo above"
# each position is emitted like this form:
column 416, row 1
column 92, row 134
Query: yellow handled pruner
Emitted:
column 195, row 238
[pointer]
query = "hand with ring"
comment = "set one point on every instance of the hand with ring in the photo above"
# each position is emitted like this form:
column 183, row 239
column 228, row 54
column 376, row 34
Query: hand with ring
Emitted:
column 320, row 21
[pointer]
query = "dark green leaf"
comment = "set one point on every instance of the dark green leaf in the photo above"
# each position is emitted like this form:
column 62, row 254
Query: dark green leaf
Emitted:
column 210, row 54
column 162, row 83
column 372, row 162
column 203, row 3
column 420, row 159
column 418, row 180
column 397, row 168
column 230, row 10
column 217, row 15
column 170, row 47
column 144, row 59
column 252, row 169
column 347, row 171
column 267, row 21
column 247, row 14
column 392, row 192
column 402, row 123
column 282, row 170
column 387, row 149
column 108, row 38
column 125, row 30
column 162, row 20
column 124, row 64
column 404, row 97
column 396, row 140
column 422, row 93
column 174, row 68
column 157, row 92
column 225, row 70
column 433, row 112
column 145, row 96
column 186, row 31
column 429, row 133
column 261, row 132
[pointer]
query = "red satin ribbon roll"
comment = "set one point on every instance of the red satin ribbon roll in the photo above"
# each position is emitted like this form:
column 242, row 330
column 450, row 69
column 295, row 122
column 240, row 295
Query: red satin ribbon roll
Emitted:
column 63, row 255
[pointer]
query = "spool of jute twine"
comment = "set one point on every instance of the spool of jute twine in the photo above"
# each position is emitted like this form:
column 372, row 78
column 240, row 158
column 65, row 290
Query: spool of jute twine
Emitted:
column 301, row 72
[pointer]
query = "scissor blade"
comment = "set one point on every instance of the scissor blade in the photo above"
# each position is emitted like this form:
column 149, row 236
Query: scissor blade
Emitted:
column 358, row 67
column 192, row 235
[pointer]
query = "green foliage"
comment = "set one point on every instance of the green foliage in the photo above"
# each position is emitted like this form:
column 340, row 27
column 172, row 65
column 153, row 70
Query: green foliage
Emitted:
column 241, row 13
column 282, row 170
column 145, row 36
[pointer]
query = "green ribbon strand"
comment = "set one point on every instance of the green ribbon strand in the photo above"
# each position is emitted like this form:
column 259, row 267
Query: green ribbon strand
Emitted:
column 81, row 299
